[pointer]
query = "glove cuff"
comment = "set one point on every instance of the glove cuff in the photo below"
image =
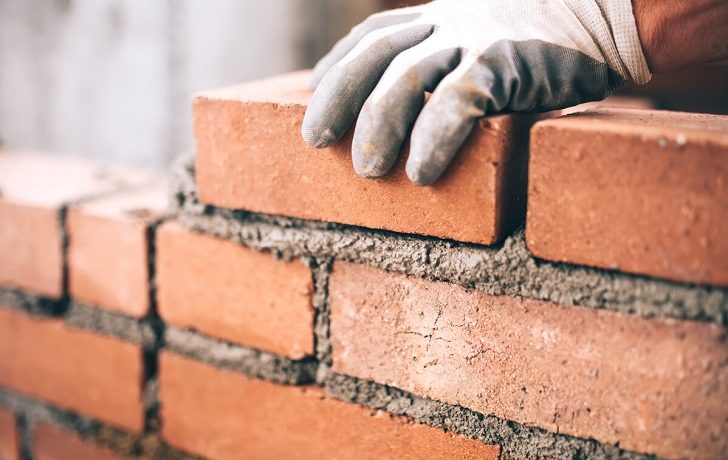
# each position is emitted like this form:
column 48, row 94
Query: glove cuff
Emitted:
column 612, row 25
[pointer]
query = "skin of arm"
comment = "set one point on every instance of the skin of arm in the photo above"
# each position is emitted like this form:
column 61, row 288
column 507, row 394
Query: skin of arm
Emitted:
column 679, row 33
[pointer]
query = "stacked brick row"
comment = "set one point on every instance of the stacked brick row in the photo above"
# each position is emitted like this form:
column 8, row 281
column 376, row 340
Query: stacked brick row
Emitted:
column 284, row 307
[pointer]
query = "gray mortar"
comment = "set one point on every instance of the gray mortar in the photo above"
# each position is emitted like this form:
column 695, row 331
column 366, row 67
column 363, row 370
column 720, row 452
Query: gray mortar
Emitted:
column 113, row 324
column 32, row 305
column 517, row 441
column 253, row 363
column 321, row 270
column 83, row 317
column 507, row 269
column 30, row 412
column 156, row 326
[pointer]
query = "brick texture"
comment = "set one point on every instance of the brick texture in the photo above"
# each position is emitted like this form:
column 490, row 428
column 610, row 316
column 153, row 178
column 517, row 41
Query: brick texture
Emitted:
column 231, row 292
column 51, row 443
column 96, row 376
column 224, row 415
column 33, row 187
column 651, row 385
column 9, row 448
column 108, row 249
column 637, row 191
column 250, row 156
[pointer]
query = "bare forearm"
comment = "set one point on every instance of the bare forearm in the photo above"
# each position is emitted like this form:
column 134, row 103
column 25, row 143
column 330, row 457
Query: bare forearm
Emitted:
column 678, row 33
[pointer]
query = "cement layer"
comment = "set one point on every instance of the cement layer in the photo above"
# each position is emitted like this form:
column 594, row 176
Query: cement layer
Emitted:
column 32, row 305
column 113, row 324
column 517, row 441
column 508, row 269
column 244, row 360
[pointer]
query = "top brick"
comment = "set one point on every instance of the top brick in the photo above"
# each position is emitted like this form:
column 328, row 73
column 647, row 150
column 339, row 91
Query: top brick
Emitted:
column 33, row 189
column 108, row 253
column 633, row 190
column 250, row 156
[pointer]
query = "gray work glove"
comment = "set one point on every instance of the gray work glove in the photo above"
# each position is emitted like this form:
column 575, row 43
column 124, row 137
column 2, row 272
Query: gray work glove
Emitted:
column 477, row 57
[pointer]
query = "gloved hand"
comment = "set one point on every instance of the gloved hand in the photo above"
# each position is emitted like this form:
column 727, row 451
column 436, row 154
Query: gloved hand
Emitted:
column 477, row 57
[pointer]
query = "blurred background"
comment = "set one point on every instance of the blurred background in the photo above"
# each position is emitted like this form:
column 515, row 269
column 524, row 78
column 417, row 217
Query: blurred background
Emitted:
column 112, row 79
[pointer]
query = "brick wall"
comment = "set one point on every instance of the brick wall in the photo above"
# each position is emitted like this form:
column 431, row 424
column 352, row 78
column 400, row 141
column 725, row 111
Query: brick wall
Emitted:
column 567, row 300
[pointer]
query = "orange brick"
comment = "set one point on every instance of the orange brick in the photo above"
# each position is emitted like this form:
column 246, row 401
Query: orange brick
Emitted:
column 51, row 443
column 9, row 447
column 96, row 376
column 228, row 291
column 250, row 155
column 32, row 189
column 638, row 191
column 107, row 255
column 651, row 385
column 220, row 414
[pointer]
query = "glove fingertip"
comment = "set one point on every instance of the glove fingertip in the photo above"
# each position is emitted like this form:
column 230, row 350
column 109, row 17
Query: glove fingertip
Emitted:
column 318, row 139
column 419, row 174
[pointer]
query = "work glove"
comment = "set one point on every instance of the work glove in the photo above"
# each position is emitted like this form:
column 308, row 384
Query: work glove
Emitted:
column 476, row 57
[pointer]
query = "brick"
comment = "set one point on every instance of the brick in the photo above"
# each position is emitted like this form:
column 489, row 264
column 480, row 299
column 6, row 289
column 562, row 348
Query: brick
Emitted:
column 613, row 102
column 250, row 155
column 108, row 249
column 97, row 376
column 637, row 191
column 651, row 385
column 226, row 290
column 221, row 414
column 9, row 447
column 33, row 188
column 51, row 443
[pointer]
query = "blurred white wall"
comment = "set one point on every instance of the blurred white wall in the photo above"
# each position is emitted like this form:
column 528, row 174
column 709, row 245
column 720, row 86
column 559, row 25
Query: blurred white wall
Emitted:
column 112, row 79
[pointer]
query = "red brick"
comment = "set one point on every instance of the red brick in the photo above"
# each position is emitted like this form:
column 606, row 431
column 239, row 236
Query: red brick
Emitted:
column 221, row 414
column 250, row 155
column 108, row 249
column 638, row 191
column 51, row 443
column 96, row 376
column 651, row 385
column 32, row 189
column 9, row 447
column 226, row 290
column 613, row 102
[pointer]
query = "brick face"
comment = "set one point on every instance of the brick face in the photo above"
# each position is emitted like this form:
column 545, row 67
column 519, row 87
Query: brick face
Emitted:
column 108, row 249
column 33, row 187
column 31, row 249
column 231, row 292
column 250, row 155
column 224, row 415
column 51, row 443
column 637, row 191
column 9, row 448
column 97, row 376
column 651, row 385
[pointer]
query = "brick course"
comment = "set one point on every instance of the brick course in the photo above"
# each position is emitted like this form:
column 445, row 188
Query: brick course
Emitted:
column 651, row 385
column 223, row 415
column 108, row 249
column 250, row 155
column 97, row 376
column 33, row 189
column 637, row 191
column 231, row 292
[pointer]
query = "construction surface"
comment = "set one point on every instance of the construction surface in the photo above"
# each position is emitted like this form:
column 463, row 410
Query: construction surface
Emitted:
column 235, row 321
